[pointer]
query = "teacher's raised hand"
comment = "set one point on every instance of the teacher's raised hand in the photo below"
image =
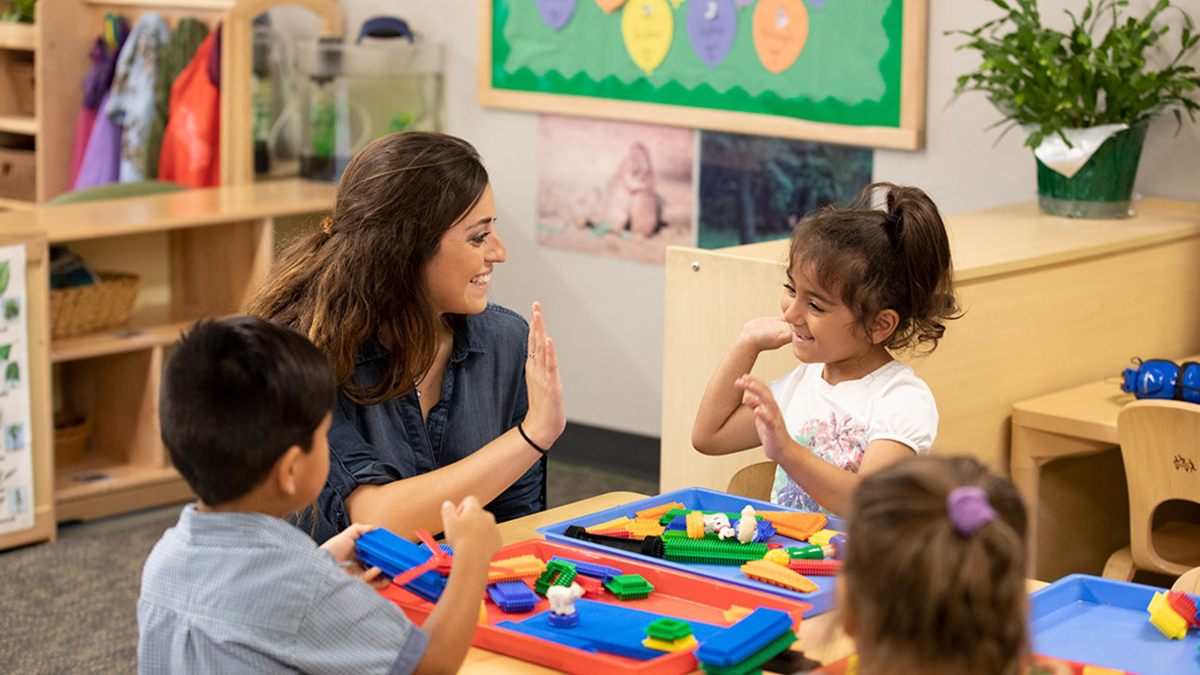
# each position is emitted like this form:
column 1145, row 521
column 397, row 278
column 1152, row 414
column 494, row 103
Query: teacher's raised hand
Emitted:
column 547, row 416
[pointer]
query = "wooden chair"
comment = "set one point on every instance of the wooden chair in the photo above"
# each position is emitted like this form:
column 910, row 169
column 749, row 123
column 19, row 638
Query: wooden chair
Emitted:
column 1188, row 583
column 1160, row 445
column 753, row 481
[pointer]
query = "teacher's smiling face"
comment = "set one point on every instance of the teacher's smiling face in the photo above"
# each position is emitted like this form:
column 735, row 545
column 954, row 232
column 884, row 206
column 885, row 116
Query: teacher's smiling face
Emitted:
column 460, row 272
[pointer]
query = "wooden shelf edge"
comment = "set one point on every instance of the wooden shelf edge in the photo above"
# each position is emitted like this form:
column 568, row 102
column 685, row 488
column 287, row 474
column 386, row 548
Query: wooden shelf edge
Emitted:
column 18, row 36
column 25, row 125
column 16, row 204
column 119, row 478
column 151, row 326
column 166, row 4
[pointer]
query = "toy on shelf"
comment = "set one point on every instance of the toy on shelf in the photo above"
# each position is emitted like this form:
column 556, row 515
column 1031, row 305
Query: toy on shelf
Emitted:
column 1159, row 378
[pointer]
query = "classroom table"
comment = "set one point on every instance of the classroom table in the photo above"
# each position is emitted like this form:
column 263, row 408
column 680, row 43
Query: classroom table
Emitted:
column 821, row 637
column 1073, row 423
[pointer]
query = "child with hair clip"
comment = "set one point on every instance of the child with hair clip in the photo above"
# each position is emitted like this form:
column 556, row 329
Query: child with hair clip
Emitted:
column 933, row 580
column 861, row 283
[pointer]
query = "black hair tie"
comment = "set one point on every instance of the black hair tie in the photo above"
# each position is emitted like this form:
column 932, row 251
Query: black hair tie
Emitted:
column 891, row 221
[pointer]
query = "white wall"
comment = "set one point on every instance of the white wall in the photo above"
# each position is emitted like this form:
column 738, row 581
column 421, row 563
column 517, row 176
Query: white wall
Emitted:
column 606, row 315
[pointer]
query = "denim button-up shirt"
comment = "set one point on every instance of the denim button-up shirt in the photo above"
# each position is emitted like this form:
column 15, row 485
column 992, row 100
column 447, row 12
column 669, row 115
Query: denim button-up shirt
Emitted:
column 483, row 396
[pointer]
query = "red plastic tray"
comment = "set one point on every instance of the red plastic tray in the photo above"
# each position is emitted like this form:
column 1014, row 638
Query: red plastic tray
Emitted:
column 676, row 594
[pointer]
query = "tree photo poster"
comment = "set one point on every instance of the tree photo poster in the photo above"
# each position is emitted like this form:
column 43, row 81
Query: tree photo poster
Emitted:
column 16, row 457
column 839, row 71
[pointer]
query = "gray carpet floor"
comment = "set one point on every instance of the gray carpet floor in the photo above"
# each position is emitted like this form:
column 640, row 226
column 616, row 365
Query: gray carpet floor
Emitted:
column 71, row 605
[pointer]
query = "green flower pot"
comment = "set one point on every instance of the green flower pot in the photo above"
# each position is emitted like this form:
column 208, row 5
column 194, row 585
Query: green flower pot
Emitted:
column 1102, row 188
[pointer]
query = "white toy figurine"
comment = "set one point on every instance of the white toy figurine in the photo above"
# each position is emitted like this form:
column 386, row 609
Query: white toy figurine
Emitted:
column 562, row 598
column 747, row 525
column 715, row 522
column 726, row 533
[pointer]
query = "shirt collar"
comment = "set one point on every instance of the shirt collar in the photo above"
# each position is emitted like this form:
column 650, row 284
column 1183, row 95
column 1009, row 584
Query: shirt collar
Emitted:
column 468, row 337
column 238, row 527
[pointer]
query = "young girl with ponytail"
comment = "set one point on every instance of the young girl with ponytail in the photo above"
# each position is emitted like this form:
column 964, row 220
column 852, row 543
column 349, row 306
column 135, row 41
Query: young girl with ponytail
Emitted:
column 933, row 580
column 861, row 283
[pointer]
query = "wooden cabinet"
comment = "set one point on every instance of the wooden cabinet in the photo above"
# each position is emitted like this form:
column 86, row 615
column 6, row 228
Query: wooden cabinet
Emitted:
column 1050, row 303
column 200, row 253
column 18, row 114
column 57, row 51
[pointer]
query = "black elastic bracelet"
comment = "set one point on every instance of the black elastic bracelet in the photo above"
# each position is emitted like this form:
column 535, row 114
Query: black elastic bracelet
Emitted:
column 535, row 445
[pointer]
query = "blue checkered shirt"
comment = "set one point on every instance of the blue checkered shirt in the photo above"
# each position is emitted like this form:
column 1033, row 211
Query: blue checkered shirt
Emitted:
column 250, row 593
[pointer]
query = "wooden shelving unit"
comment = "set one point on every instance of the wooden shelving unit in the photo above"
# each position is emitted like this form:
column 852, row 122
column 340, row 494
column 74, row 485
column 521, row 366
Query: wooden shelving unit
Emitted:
column 18, row 36
column 220, row 244
column 59, row 49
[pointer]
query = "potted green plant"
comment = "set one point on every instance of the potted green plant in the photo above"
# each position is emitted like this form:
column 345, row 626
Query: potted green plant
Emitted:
column 20, row 11
column 1084, row 101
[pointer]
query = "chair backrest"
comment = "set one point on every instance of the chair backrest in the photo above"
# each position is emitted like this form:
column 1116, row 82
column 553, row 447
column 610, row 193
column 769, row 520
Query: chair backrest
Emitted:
column 1160, row 445
column 753, row 481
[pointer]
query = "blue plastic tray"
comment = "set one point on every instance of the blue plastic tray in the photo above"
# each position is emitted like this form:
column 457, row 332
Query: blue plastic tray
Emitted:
column 701, row 499
column 1105, row 623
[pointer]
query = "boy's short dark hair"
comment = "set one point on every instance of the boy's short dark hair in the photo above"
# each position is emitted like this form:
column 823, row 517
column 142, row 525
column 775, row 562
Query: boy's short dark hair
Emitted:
column 236, row 394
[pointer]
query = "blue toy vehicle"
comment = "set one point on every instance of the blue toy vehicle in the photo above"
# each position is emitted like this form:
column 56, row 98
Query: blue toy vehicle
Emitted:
column 1158, row 378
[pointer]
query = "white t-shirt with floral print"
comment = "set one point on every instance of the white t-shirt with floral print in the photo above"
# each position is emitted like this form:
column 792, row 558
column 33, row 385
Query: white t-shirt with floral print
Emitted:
column 838, row 422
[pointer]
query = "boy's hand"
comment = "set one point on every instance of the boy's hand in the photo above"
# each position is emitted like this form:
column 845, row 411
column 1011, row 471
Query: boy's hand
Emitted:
column 768, row 419
column 341, row 545
column 765, row 333
column 470, row 529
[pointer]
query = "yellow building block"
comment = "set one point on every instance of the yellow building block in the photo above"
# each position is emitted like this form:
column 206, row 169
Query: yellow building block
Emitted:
column 672, row 646
column 1165, row 618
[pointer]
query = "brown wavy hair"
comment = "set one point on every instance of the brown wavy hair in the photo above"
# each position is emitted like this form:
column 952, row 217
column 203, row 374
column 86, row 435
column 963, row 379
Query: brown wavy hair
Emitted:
column 894, row 258
column 361, row 276
column 921, row 595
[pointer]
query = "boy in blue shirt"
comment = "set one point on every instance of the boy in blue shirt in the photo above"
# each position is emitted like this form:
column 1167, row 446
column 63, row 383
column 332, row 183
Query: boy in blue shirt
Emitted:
column 245, row 408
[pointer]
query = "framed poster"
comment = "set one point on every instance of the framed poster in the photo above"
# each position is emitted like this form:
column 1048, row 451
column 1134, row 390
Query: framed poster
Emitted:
column 838, row 71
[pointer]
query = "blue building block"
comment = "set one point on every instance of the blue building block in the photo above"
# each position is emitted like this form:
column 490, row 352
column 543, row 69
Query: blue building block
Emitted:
column 512, row 596
column 445, row 548
column 741, row 640
column 603, row 627
column 587, row 569
column 395, row 556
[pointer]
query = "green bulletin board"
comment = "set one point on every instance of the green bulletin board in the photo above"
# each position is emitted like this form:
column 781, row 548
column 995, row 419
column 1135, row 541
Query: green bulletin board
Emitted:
column 845, row 71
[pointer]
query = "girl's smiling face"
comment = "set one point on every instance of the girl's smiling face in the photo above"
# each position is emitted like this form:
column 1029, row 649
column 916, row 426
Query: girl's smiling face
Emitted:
column 459, row 275
column 824, row 330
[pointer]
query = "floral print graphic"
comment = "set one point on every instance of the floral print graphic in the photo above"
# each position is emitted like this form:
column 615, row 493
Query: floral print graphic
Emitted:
column 839, row 441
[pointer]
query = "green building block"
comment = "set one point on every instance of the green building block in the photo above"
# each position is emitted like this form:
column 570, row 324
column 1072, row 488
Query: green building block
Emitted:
column 630, row 587
column 668, row 629
column 558, row 573
column 713, row 552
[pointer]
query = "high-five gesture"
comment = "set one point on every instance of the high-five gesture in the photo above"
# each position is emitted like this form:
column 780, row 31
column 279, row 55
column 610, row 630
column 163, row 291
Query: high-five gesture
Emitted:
column 547, row 416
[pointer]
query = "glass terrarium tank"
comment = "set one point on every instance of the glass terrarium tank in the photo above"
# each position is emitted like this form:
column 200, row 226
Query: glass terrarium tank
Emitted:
column 351, row 94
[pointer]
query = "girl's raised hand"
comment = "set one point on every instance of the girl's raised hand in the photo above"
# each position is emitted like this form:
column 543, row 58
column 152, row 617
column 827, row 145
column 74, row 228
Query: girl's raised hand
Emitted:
column 768, row 419
column 547, row 416
column 766, row 333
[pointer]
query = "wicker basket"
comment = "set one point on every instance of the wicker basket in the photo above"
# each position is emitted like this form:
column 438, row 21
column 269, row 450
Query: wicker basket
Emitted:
column 70, row 439
column 87, row 309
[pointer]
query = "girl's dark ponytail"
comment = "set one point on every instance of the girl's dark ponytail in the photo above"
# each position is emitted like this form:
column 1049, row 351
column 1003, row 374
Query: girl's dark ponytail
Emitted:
column 915, row 226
